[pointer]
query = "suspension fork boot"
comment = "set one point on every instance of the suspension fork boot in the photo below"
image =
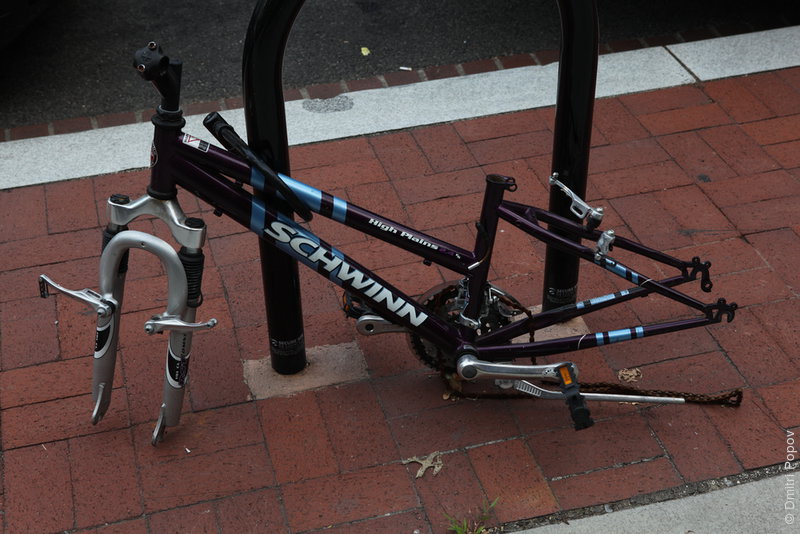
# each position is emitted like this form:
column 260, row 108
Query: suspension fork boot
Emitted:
column 193, row 262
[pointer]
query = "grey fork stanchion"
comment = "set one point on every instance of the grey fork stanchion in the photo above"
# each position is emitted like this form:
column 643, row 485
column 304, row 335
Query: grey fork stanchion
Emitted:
column 577, row 73
column 262, row 65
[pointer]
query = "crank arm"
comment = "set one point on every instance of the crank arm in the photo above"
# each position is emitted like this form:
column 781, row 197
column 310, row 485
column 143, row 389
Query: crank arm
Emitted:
column 371, row 325
column 471, row 368
column 546, row 394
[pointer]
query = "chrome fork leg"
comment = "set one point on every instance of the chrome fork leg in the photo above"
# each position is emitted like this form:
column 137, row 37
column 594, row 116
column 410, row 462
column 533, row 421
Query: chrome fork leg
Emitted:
column 107, row 335
column 175, row 378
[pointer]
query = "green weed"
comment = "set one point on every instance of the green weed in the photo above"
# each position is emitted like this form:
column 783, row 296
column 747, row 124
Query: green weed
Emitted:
column 473, row 525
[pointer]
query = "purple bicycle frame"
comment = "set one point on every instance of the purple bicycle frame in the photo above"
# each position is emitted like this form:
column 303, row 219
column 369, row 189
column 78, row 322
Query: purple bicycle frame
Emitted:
column 203, row 170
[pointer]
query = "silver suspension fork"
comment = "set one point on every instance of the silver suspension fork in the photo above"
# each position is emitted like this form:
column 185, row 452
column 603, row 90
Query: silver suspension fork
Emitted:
column 178, row 318
column 190, row 233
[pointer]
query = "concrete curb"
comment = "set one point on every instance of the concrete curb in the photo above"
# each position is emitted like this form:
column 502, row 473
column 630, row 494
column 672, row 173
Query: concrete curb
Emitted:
column 107, row 150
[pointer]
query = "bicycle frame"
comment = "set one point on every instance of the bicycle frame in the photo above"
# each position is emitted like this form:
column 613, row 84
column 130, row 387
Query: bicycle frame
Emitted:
column 200, row 167
column 218, row 176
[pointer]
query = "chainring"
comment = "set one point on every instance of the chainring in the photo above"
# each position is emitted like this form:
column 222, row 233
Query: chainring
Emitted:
column 443, row 301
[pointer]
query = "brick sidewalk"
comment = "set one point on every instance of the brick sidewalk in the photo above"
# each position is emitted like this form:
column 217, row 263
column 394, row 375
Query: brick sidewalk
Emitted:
column 710, row 170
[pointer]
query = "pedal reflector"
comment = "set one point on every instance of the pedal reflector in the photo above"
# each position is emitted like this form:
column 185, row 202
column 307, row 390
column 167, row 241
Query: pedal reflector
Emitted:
column 566, row 377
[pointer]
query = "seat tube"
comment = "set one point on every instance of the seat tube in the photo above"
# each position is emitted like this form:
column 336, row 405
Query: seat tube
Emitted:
column 496, row 185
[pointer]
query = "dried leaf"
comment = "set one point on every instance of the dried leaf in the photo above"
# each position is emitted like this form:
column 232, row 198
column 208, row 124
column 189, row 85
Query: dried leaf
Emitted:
column 433, row 460
column 630, row 375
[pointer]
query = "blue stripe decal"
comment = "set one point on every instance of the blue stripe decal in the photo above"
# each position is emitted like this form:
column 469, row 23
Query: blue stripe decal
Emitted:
column 622, row 271
column 602, row 299
column 256, row 179
column 258, row 216
column 599, row 300
column 310, row 196
column 617, row 269
column 616, row 336
column 339, row 209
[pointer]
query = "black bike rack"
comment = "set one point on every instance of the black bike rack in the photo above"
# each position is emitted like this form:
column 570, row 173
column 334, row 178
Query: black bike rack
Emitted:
column 262, row 78
column 577, row 75
column 262, row 65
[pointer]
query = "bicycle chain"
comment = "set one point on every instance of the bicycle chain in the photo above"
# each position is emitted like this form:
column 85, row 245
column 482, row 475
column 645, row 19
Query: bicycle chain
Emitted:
column 728, row 398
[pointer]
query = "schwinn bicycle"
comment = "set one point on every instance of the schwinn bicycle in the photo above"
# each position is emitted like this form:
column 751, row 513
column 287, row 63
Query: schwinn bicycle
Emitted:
column 462, row 329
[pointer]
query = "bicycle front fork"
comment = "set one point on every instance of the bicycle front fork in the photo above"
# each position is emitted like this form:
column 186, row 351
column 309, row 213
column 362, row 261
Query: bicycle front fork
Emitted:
column 184, row 276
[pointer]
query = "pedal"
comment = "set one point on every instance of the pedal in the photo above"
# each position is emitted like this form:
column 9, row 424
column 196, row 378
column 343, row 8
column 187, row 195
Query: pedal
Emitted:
column 578, row 410
column 353, row 307
column 102, row 306
column 471, row 368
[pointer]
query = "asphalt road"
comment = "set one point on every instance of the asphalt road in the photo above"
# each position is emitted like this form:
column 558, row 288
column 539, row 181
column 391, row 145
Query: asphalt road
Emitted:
column 76, row 59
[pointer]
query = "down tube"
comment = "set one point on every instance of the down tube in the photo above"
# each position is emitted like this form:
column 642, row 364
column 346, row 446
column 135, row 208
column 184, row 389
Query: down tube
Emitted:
column 385, row 299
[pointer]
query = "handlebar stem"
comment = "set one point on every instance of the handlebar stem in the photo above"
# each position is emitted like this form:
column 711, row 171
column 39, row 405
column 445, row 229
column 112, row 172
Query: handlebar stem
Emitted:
column 165, row 74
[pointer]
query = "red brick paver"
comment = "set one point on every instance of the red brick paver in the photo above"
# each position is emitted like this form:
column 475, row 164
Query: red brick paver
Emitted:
column 711, row 170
